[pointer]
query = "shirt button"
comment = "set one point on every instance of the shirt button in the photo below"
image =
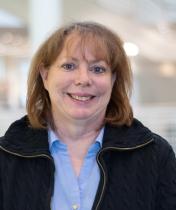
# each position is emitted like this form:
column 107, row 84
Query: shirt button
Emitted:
column 75, row 206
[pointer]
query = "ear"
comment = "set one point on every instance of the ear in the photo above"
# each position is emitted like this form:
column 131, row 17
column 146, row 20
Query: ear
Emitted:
column 44, row 75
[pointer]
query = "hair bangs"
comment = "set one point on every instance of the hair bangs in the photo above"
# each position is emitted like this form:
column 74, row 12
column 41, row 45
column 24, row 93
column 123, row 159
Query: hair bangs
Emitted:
column 87, row 42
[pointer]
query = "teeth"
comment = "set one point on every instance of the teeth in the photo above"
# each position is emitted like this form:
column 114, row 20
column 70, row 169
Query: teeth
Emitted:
column 81, row 98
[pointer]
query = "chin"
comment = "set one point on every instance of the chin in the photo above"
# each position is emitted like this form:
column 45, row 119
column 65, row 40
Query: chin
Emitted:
column 81, row 116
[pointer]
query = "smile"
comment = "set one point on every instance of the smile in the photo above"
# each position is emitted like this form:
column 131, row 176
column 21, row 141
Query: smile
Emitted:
column 81, row 98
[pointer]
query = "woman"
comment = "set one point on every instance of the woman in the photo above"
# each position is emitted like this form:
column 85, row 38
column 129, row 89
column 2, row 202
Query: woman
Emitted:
column 79, row 147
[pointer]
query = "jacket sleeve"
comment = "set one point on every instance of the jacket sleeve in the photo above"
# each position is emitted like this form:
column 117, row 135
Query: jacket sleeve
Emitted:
column 166, row 190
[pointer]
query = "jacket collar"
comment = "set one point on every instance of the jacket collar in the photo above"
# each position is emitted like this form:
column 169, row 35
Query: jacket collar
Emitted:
column 128, row 137
column 21, row 139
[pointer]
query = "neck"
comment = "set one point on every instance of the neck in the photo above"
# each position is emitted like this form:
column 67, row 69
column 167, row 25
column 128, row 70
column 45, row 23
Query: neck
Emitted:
column 71, row 131
column 78, row 136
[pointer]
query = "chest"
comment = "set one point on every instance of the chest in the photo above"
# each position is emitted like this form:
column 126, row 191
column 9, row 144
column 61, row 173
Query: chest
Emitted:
column 129, row 180
column 28, row 182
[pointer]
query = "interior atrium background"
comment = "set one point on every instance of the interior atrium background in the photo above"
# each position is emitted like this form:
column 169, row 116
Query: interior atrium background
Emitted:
column 148, row 24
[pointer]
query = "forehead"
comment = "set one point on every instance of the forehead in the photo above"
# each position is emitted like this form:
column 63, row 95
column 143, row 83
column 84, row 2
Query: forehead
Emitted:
column 86, row 43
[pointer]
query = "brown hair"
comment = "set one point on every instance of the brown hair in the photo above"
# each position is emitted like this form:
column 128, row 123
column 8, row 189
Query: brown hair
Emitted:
column 105, row 44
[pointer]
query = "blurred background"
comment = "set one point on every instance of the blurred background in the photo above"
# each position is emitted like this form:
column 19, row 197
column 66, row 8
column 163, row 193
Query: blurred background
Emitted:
column 148, row 28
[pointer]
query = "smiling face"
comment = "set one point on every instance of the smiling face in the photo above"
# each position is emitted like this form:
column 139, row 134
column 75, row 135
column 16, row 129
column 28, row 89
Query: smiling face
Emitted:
column 79, row 83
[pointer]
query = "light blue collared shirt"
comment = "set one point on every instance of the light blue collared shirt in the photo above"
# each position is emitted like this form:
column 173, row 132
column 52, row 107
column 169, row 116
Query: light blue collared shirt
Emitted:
column 72, row 192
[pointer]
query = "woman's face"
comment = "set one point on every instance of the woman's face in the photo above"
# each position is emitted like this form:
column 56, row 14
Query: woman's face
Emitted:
column 79, row 84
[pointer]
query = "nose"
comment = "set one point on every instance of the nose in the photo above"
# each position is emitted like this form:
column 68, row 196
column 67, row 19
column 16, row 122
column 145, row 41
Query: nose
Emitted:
column 83, row 77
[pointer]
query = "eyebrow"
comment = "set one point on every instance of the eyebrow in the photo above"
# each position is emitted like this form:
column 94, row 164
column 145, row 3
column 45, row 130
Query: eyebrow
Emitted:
column 91, row 61
column 71, row 58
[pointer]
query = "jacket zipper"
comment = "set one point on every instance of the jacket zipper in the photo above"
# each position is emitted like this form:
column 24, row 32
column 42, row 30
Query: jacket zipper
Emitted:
column 25, row 156
column 104, row 174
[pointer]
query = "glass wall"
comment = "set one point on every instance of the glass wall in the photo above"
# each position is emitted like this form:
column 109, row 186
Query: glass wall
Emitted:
column 147, row 28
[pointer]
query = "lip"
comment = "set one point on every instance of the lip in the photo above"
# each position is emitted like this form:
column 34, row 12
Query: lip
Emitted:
column 81, row 94
column 81, row 97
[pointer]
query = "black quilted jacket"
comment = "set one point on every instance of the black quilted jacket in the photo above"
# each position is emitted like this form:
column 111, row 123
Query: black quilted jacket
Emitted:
column 138, row 170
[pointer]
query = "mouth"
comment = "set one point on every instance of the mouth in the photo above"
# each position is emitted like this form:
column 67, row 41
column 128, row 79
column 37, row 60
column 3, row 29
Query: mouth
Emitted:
column 81, row 98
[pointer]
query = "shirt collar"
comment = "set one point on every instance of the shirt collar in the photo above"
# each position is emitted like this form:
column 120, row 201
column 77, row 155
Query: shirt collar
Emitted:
column 52, row 137
column 99, row 138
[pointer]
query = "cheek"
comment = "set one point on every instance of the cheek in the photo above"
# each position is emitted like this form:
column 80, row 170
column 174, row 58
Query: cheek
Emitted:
column 105, row 86
column 58, row 87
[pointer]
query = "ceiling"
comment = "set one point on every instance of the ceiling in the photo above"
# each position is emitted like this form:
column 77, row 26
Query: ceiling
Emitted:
column 151, row 24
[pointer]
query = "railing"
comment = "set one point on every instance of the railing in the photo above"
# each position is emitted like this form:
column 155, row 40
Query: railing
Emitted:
column 160, row 119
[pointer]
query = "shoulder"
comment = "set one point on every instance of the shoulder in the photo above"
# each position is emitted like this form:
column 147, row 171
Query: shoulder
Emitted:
column 164, row 150
column 161, row 142
column 135, row 135
column 22, row 139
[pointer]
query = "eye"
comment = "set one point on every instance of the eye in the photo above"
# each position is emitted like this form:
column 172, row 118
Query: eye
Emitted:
column 98, row 69
column 68, row 66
